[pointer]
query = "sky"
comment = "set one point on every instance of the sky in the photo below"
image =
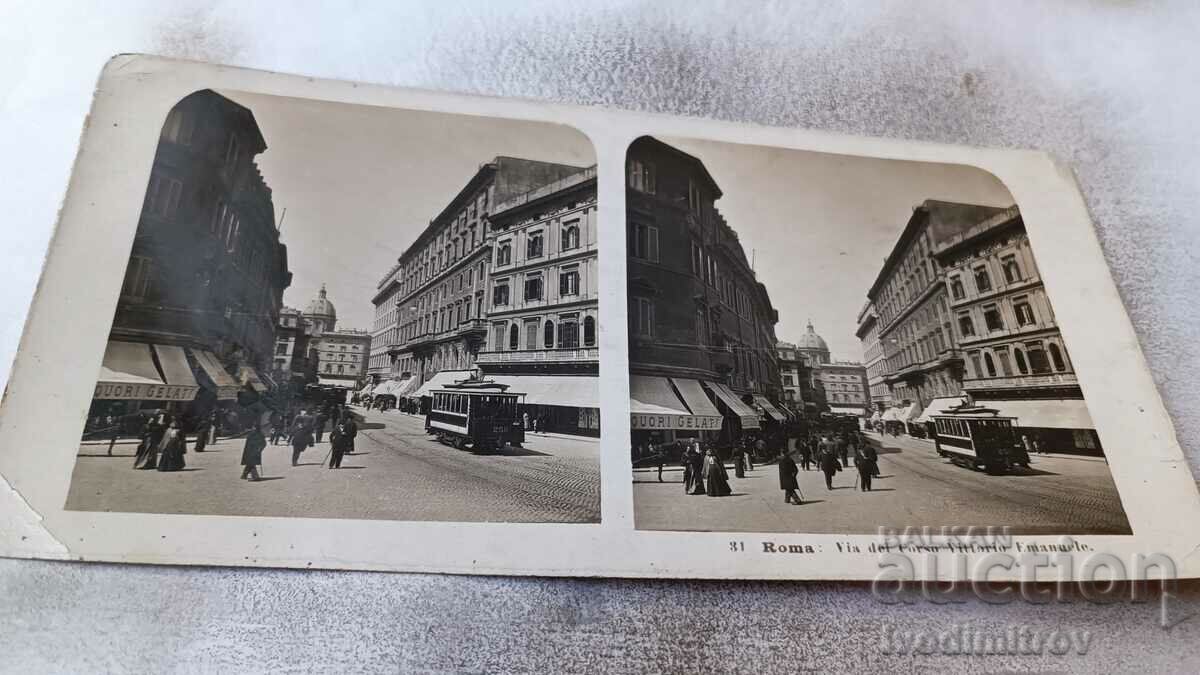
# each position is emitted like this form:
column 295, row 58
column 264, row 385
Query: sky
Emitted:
column 360, row 183
column 818, row 226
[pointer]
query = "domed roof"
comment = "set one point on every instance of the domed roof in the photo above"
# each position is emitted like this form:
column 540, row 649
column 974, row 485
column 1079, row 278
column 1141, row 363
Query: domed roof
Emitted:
column 321, row 306
column 810, row 340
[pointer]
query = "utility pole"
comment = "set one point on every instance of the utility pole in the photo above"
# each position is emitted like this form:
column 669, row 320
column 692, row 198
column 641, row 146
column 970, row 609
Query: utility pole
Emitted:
column 279, row 227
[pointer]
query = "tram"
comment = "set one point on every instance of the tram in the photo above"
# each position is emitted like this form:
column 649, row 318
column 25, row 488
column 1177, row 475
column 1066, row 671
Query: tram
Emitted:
column 481, row 414
column 979, row 438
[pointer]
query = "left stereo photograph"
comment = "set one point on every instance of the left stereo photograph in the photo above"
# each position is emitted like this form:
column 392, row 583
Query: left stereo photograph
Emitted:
column 334, row 310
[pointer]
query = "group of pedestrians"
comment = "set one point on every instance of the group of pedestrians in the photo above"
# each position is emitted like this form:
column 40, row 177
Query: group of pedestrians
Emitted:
column 704, row 471
column 162, row 444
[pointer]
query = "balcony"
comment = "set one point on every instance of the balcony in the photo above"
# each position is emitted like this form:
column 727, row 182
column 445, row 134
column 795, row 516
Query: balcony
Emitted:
column 1021, row 382
column 581, row 355
column 476, row 326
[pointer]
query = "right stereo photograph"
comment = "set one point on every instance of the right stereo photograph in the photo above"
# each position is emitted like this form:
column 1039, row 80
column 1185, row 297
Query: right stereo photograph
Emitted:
column 824, row 343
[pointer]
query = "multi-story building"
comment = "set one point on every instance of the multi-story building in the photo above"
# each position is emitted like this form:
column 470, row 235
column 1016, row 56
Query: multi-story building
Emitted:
column 1015, row 359
column 910, row 298
column 868, row 332
column 431, row 308
column 845, row 386
column 200, row 302
column 802, row 393
column 291, row 360
column 339, row 356
column 543, row 302
column 702, row 347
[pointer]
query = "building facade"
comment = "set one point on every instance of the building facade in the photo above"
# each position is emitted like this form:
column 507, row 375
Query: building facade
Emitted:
column 1015, row 359
column 845, row 387
column 431, row 307
column 203, row 289
column 291, row 360
column 921, row 359
column 880, row 396
column 802, row 393
column 702, row 346
column 543, row 303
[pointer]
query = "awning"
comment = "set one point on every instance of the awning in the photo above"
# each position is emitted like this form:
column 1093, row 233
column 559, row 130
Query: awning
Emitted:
column 389, row 387
column 405, row 387
column 331, row 382
column 857, row 411
column 175, row 369
column 366, row 391
column 654, row 404
column 889, row 415
column 128, row 373
column 770, row 408
column 1071, row 413
column 249, row 377
column 747, row 415
column 439, row 380
column 705, row 414
column 227, row 387
column 937, row 405
column 908, row 413
column 875, row 417
column 572, row 391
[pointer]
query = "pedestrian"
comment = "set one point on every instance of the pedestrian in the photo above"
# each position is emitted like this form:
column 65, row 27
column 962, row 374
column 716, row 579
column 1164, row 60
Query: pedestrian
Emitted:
column 843, row 447
column 277, row 428
column 760, row 447
column 147, row 453
column 339, row 442
column 114, row 431
column 301, row 435
column 541, row 424
column 693, row 472
column 716, row 480
column 201, row 435
column 319, row 426
column 865, row 464
column 351, row 429
column 525, row 421
column 252, row 453
column 171, row 449
column 787, row 479
column 739, row 457
column 805, row 452
column 829, row 462
column 814, row 449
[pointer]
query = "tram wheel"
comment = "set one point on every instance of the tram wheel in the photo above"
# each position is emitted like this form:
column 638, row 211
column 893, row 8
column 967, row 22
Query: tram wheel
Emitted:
column 459, row 444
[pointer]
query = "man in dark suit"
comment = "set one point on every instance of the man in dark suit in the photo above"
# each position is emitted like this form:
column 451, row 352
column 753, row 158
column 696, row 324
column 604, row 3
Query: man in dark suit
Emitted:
column 301, row 435
column 787, row 479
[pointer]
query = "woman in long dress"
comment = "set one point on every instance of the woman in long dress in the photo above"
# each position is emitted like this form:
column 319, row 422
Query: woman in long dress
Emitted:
column 171, row 449
column 715, row 477
column 147, row 453
column 695, row 470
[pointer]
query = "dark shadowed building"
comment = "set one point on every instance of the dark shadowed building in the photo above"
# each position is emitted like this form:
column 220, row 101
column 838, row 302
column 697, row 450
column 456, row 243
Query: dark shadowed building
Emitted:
column 196, row 318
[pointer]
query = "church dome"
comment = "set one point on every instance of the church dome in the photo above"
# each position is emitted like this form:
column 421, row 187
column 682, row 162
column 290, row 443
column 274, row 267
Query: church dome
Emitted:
column 811, row 341
column 321, row 308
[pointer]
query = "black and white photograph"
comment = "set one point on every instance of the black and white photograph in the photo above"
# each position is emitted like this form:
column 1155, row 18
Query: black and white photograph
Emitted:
column 823, row 343
column 346, row 311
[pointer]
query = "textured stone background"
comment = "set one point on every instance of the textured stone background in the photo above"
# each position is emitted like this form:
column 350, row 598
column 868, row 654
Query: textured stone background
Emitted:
column 1109, row 87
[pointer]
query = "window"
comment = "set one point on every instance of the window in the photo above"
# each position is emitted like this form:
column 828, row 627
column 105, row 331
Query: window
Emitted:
column 162, row 197
column 589, row 331
column 983, row 282
column 179, row 127
column 570, row 235
column 694, row 197
column 533, row 246
column 568, row 333
column 641, row 315
column 281, row 348
column 956, row 289
column 643, row 242
column 991, row 317
column 139, row 277
column 701, row 326
column 697, row 259
column 975, row 367
column 232, row 151
column 1012, row 272
column 1056, row 357
column 341, row 368
column 498, row 336
column 531, row 333
column 965, row 326
column 1023, row 311
column 548, row 334
column 568, row 281
column 989, row 364
column 500, row 293
column 640, row 175
column 534, row 288
column 514, row 337
column 1038, row 364
column 503, row 254
column 1002, row 357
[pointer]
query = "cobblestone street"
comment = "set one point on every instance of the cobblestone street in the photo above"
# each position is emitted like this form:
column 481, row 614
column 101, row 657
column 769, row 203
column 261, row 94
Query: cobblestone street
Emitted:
column 917, row 488
column 397, row 473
